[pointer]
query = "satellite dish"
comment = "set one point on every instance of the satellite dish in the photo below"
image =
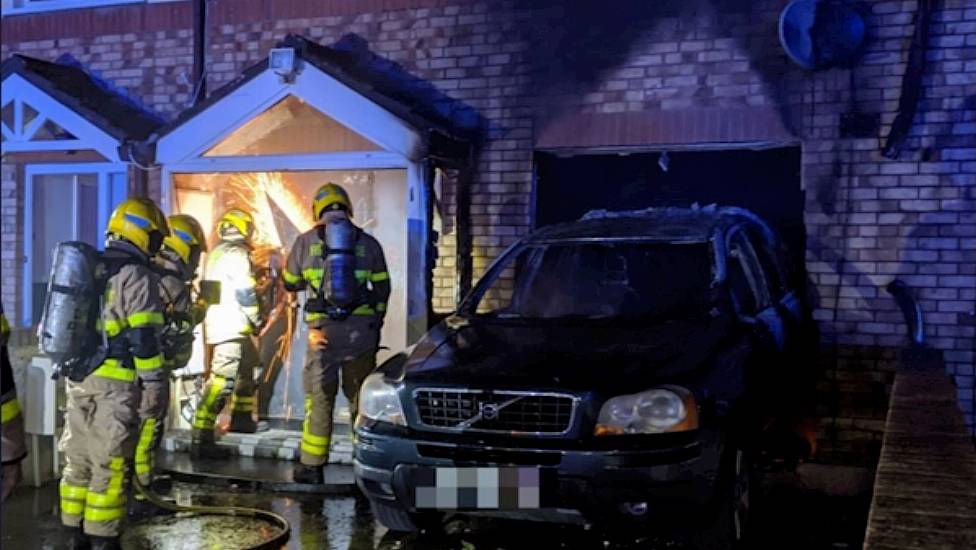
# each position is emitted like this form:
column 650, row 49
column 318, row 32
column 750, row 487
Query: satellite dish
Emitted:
column 818, row 34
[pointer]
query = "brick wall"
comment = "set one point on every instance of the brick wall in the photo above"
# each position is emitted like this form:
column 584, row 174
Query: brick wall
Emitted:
column 530, row 70
column 11, row 239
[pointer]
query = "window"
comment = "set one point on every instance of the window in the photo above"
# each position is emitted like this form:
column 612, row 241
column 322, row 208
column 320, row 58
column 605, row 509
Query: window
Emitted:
column 24, row 124
column 599, row 280
column 290, row 127
column 15, row 7
column 766, row 256
column 64, row 203
column 746, row 282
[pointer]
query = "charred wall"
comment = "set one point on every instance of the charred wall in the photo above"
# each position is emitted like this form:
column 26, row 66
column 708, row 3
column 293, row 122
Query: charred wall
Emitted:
column 646, row 74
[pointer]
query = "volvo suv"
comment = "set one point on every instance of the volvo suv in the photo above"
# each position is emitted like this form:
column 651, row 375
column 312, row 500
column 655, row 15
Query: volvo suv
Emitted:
column 615, row 370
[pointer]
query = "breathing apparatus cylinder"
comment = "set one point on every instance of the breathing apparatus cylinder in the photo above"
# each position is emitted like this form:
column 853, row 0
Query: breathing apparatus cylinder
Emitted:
column 340, row 289
column 71, row 305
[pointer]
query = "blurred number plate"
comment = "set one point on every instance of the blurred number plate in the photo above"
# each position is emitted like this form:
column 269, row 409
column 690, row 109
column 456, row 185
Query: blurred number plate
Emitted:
column 508, row 488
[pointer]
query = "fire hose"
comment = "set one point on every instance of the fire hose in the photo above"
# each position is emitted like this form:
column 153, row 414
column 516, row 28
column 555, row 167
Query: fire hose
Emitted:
column 277, row 541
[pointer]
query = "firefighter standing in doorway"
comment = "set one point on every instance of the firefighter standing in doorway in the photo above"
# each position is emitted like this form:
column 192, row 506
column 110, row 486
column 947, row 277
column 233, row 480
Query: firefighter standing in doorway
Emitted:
column 345, row 274
column 12, row 441
column 102, row 418
column 229, row 326
column 176, row 264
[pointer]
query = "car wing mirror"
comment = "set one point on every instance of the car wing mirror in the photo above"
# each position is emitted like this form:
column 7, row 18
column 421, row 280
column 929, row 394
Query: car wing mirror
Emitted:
column 210, row 292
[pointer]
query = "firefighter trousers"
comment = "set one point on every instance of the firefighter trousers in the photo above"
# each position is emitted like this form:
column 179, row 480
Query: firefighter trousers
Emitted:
column 101, row 427
column 343, row 350
column 231, row 375
column 152, row 416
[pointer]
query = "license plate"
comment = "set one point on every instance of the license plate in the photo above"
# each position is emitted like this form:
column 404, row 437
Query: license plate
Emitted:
column 504, row 488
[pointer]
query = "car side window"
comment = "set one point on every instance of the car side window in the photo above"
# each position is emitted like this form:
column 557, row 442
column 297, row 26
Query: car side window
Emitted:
column 771, row 267
column 746, row 282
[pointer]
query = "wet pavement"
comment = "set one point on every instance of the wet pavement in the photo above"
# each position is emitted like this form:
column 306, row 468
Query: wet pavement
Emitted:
column 795, row 517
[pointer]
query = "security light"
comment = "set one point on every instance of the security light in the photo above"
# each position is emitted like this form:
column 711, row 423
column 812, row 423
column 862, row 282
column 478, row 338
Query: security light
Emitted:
column 283, row 62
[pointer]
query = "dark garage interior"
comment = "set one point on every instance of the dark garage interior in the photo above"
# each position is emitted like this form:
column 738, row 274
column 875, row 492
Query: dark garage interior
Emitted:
column 765, row 181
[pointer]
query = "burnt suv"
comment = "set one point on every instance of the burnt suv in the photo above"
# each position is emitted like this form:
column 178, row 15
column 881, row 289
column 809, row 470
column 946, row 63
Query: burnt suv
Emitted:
column 614, row 370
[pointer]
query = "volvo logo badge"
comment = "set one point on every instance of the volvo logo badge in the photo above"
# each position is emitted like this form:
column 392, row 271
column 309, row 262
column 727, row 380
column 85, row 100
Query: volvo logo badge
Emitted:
column 489, row 411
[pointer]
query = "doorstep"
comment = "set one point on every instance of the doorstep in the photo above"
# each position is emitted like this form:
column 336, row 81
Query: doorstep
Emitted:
column 274, row 443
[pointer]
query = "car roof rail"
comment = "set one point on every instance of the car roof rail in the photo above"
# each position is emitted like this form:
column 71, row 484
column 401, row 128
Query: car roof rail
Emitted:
column 603, row 213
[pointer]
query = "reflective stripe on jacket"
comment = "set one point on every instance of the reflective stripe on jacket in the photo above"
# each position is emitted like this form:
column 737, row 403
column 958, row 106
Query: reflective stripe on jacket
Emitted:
column 306, row 267
column 132, row 310
column 179, row 311
column 238, row 311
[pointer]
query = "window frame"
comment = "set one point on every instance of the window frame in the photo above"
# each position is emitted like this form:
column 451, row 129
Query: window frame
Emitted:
column 106, row 191
column 775, row 275
column 753, row 271
column 41, row 6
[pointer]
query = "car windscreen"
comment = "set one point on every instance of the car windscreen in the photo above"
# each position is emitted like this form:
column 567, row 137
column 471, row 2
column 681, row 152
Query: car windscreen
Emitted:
column 597, row 280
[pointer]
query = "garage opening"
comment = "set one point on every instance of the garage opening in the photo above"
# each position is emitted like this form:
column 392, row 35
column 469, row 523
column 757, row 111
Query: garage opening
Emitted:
column 764, row 181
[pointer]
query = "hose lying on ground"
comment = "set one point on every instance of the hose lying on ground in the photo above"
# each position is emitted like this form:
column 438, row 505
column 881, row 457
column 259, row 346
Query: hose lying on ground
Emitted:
column 274, row 543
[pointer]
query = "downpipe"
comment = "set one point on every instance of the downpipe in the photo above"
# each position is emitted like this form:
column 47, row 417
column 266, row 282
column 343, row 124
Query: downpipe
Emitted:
column 910, row 308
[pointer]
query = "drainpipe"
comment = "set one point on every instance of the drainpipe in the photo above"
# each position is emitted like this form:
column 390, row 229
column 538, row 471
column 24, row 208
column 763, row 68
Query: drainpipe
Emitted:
column 199, row 50
column 431, row 251
column 912, row 311
column 911, row 84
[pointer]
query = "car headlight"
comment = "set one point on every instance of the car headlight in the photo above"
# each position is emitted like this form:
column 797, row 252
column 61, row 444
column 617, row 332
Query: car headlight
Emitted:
column 658, row 410
column 379, row 401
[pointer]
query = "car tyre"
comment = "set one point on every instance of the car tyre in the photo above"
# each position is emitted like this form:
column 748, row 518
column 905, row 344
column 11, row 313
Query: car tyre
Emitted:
column 729, row 528
column 395, row 518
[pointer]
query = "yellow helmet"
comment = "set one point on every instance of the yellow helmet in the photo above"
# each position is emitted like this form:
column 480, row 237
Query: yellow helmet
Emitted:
column 186, row 238
column 140, row 222
column 238, row 219
column 329, row 197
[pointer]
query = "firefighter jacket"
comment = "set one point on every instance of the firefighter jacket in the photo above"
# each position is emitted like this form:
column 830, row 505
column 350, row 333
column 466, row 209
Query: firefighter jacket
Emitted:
column 306, row 268
column 12, row 448
column 132, row 316
column 8, row 392
column 239, row 312
column 180, row 311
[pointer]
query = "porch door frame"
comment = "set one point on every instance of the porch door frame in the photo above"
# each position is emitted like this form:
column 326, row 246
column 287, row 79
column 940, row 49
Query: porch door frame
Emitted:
column 106, row 191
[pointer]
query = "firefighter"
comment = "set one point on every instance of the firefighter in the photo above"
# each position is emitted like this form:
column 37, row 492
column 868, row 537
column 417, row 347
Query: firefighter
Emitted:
column 229, row 326
column 102, row 416
column 12, row 440
column 344, row 272
column 176, row 264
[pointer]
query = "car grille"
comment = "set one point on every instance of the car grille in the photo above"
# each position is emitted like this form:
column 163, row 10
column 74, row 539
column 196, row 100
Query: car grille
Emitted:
column 496, row 411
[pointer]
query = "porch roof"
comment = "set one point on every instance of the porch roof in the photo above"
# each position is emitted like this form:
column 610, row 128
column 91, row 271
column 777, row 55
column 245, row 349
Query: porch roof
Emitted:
column 97, row 101
column 445, row 123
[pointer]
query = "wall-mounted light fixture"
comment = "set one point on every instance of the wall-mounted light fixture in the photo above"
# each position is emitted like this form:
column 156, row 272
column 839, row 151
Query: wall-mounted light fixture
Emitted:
column 284, row 63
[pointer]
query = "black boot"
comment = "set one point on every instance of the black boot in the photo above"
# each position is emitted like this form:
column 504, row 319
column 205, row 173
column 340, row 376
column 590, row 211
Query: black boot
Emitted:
column 161, row 485
column 105, row 543
column 79, row 540
column 140, row 508
column 242, row 423
column 207, row 450
column 307, row 474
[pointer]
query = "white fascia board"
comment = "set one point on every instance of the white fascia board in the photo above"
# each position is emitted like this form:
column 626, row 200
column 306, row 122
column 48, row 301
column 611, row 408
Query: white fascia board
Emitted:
column 355, row 111
column 209, row 127
column 89, row 135
column 365, row 160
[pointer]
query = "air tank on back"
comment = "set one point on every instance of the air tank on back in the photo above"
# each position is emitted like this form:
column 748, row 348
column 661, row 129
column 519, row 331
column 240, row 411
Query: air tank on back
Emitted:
column 340, row 287
column 65, row 329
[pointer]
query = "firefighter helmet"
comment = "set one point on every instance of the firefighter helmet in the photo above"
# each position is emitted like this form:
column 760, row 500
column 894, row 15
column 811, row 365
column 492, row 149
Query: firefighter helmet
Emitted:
column 140, row 222
column 236, row 221
column 186, row 238
column 330, row 197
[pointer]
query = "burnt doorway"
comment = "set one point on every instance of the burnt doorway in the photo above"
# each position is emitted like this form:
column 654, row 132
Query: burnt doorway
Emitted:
column 764, row 181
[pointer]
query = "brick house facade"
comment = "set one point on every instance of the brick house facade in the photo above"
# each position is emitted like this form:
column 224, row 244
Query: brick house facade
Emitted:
column 581, row 76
